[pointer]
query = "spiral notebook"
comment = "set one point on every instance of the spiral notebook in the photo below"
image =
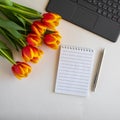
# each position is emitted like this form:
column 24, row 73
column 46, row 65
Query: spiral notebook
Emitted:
column 74, row 70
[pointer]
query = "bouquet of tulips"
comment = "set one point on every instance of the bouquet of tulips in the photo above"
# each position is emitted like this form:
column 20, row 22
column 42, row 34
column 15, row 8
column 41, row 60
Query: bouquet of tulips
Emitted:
column 26, row 29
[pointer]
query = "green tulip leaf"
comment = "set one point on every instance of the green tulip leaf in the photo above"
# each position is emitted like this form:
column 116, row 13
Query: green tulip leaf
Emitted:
column 27, row 14
column 6, row 2
column 12, row 28
column 5, row 51
column 25, row 8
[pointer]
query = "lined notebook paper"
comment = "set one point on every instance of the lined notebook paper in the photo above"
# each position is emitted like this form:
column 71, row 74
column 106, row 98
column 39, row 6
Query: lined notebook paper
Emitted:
column 74, row 70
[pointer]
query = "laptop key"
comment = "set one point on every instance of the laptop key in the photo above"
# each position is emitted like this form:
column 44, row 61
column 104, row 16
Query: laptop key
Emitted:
column 87, row 5
column 90, row 1
column 74, row 1
column 119, row 20
column 110, row 9
column 110, row 3
column 115, row 5
column 115, row 11
column 105, row 1
column 118, row 13
column 104, row 13
column 100, row 4
column 109, row 15
column 105, row 6
column 95, row 2
column 100, row 11
column 116, row 0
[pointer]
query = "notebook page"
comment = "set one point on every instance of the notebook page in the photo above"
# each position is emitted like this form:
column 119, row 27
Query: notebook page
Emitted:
column 74, row 70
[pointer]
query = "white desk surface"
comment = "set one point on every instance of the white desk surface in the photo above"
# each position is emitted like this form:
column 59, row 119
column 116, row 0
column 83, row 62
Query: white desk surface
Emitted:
column 33, row 98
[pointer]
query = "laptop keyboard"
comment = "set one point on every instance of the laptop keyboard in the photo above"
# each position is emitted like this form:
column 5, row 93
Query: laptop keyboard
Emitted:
column 107, row 8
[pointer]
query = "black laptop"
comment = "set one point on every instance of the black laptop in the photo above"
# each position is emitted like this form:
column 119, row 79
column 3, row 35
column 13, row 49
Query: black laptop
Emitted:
column 98, row 16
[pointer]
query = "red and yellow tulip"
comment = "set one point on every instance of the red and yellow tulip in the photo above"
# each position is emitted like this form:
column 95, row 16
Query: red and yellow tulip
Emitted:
column 34, row 40
column 38, row 28
column 51, row 20
column 30, row 53
column 52, row 40
column 21, row 69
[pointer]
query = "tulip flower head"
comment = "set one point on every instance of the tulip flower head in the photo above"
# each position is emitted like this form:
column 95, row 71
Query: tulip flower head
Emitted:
column 51, row 20
column 21, row 69
column 30, row 53
column 33, row 39
column 38, row 28
column 52, row 40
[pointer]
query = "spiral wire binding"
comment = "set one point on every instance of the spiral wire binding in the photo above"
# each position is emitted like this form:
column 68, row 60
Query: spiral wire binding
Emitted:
column 71, row 47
